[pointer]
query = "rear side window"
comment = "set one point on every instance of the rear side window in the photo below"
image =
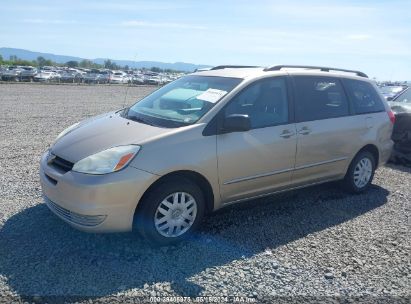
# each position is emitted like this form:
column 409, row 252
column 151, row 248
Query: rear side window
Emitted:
column 363, row 96
column 319, row 98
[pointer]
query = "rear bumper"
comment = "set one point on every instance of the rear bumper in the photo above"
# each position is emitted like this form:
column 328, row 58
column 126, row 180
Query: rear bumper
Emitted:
column 94, row 203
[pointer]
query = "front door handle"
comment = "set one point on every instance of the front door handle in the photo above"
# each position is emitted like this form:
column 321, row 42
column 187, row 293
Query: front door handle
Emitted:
column 304, row 131
column 287, row 134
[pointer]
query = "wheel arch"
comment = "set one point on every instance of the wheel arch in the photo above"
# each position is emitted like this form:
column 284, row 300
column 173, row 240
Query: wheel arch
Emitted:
column 373, row 150
column 192, row 176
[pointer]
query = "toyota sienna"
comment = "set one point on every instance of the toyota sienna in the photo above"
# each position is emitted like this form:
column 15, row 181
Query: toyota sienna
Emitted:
column 214, row 138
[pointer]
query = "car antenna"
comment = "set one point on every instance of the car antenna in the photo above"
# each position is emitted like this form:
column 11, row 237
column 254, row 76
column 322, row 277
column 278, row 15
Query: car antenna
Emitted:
column 125, row 96
column 128, row 86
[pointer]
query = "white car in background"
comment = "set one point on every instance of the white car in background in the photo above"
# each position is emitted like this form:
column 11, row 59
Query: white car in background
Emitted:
column 119, row 77
column 390, row 91
column 47, row 76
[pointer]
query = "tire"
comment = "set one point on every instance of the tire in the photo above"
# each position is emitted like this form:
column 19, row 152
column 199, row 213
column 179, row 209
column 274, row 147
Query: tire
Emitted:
column 152, row 208
column 360, row 173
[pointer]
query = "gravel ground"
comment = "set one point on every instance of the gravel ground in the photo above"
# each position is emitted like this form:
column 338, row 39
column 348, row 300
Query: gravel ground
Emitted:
column 318, row 244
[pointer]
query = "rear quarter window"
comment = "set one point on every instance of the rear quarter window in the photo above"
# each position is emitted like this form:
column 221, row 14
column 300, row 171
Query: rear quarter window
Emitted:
column 363, row 96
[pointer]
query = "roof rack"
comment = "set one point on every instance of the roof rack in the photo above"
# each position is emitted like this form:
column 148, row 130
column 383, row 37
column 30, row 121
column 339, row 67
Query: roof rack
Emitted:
column 220, row 67
column 324, row 69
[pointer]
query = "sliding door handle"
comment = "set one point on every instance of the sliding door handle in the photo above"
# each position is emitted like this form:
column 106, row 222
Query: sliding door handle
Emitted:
column 304, row 131
column 287, row 134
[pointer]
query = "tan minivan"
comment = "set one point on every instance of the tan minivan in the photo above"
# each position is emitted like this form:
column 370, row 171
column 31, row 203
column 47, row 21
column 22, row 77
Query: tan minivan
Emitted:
column 215, row 138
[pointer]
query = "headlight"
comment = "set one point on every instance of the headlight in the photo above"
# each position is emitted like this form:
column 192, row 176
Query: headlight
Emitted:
column 107, row 161
column 69, row 129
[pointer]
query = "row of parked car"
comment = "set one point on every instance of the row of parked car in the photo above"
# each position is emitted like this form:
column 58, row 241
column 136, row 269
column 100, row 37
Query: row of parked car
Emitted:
column 80, row 75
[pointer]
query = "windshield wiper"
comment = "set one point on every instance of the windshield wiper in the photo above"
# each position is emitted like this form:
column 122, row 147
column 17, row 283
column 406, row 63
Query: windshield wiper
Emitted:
column 142, row 120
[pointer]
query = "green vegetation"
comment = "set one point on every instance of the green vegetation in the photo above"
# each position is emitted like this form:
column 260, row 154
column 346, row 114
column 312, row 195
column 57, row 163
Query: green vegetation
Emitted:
column 87, row 64
column 14, row 60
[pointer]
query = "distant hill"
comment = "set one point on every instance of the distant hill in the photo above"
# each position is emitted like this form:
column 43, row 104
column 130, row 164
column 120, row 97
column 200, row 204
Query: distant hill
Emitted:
column 30, row 55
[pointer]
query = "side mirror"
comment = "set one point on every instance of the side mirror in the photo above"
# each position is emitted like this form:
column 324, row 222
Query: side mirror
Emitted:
column 390, row 98
column 236, row 123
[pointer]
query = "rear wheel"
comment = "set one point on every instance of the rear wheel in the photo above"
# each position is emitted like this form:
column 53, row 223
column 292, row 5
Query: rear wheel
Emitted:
column 170, row 212
column 360, row 173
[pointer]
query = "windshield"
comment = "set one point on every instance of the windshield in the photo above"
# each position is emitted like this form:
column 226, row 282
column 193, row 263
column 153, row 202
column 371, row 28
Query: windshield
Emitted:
column 404, row 97
column 391, row 89
column 182, row 102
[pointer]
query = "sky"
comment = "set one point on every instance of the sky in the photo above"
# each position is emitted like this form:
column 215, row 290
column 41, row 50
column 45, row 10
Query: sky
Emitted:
column 371, row 36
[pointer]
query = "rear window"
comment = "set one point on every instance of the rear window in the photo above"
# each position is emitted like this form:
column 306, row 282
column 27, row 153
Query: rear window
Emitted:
column 363, row 96
column 319, row 98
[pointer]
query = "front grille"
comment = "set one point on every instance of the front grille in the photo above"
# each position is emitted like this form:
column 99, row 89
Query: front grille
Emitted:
column 75, row 218
column 61, row 164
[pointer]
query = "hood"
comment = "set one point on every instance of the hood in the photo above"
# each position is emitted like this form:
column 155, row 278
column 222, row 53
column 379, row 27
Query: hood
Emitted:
column 28, row 72
column 103, row 132
column 400, row 107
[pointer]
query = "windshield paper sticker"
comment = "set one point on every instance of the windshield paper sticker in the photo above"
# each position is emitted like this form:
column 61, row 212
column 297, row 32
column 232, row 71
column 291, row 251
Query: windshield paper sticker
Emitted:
column 212, row 95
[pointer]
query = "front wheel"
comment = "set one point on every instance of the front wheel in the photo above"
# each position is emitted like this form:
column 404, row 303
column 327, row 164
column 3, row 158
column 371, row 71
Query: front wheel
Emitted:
column 360, row 173
column 170, row 212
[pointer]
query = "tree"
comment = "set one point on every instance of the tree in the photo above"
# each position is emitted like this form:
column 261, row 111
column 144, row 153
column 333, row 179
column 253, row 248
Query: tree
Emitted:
column 1, row 59
column 155, row 69
column 86, row 63
column 41, row 61
column 72, row 64
column 108, row 64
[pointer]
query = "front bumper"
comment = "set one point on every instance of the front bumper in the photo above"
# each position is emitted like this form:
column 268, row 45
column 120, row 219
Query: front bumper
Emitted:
column 94, row 203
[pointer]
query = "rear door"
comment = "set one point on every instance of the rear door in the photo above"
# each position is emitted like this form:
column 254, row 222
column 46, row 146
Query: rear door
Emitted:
column 260, row 160
column 327, row 133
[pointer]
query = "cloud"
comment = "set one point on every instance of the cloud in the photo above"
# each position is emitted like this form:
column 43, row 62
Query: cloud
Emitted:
column 358, row 37
column 134, row 6
column 140, row 23
column 323, row 9
column 49, row 21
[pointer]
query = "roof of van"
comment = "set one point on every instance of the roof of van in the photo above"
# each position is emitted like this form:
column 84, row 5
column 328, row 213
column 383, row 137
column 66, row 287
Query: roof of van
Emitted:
column 255, row 72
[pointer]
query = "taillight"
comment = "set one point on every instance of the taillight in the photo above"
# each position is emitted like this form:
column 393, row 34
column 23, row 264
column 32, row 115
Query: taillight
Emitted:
column 391, row 116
